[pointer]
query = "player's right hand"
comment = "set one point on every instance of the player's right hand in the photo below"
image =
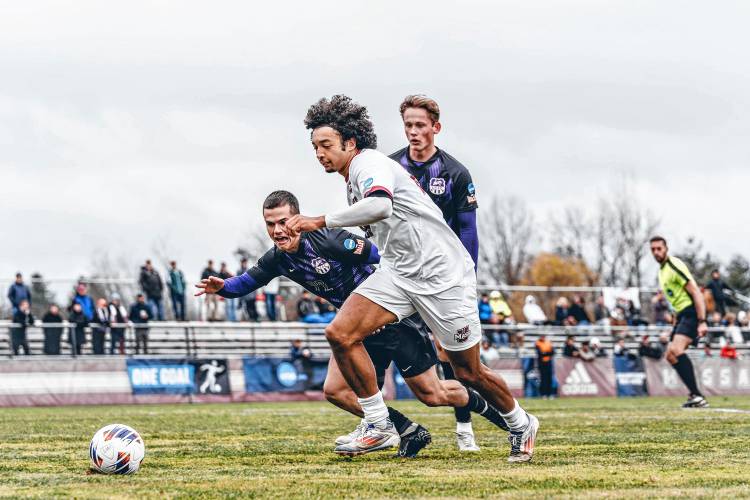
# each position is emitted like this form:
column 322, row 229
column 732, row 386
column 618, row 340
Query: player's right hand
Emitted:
column 210, row 285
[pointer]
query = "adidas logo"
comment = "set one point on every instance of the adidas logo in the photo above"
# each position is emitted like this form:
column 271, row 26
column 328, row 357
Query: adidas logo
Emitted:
column 579, row 383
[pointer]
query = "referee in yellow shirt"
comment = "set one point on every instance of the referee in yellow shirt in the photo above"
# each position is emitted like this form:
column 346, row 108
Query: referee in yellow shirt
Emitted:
column 683, row 294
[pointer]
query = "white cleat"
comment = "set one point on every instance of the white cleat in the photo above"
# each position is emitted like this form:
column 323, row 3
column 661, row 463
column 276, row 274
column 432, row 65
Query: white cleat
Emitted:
column 522, row 443
column 466, row 441
column 695, row 402
column 348, row 438
column 372, row 439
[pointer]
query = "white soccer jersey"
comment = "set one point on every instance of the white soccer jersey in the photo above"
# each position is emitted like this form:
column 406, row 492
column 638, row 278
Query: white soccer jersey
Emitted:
column 415, row 242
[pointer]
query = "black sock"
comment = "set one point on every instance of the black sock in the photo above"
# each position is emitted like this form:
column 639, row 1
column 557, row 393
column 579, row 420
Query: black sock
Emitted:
column 684, row 368
column 480, row 405
column 462, row 414
column 402, row 423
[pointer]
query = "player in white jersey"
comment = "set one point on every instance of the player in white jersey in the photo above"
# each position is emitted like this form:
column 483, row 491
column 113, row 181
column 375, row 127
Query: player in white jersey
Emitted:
column 424, row 268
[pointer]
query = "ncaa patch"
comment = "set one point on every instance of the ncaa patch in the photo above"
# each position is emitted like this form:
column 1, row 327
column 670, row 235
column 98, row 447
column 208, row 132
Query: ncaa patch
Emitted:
column 462, row 334
column 349, row 244
column 321, row 265
column 470, row 188
column 368, row 182
column 437, row 185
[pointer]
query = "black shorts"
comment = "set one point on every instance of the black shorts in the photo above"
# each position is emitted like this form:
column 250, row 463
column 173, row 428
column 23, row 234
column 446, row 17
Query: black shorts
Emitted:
column 406, row 344
column 686, row 324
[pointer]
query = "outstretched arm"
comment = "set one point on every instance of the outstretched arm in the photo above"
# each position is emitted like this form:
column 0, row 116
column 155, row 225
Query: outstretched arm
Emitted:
column 230, row 288
column 367, row 211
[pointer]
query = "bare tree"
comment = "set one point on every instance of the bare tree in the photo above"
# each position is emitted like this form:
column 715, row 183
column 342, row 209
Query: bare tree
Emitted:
column 255, row 244
column 507, row 235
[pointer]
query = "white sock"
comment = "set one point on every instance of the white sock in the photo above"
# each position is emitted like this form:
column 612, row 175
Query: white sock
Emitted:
column 376, row 413
column 517, row 419
column 464, row 427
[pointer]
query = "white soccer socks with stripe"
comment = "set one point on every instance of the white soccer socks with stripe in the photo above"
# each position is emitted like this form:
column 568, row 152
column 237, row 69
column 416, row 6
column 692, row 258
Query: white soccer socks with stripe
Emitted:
column 375, row 410
column 517, row 419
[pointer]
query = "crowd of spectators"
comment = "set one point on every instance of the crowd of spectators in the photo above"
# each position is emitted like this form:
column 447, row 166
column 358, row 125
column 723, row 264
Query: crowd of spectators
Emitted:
column 87, row 322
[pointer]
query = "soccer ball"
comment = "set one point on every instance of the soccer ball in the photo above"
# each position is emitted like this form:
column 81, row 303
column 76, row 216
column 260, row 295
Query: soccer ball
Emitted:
column 116, row 449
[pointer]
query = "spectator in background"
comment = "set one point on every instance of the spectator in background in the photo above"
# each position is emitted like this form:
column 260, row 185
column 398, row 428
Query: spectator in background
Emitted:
column 487, row 353
column 597, row 349
column 578, row 311
column 152, row 286
column 301, row 356
column 306, row 307
column 585, row 353
column 648, row 350
column 532, row 312
column 18, row 292
column 620, row 350
column 24, row 319
column 52, row 334
column 99, row 330
column 715, row 321
column 248, row 301
column 118, row 317
column 562, row 312
column 77, row 332
column 570, row 350
column 544, row 354
column 707, row 353
column 664, row 342
column 177, row 285
column 210, row 298
column 82, row 298
column 601, row 312
column 660, row 308
column 485, row 310
column 140, row 314
column 717, row 287
column 271, row 290
column 500, row 307
column 733, row 333
column 230, row 305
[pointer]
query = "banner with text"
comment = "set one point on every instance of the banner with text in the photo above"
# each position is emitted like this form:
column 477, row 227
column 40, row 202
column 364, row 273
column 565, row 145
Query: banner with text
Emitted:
column 716, row 376
column 585, row 378
column 178, row 376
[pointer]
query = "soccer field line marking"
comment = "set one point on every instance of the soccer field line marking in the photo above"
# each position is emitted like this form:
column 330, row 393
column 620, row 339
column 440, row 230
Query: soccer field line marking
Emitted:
column 728, row 410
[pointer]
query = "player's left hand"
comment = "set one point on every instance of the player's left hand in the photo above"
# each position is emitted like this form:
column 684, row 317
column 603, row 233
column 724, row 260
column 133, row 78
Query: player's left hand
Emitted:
column 303, row 224
column 702, row 329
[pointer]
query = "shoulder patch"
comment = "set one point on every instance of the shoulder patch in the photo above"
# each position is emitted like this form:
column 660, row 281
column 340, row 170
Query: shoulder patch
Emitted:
column 368, row 182
column 470, row 188
column 349, row 244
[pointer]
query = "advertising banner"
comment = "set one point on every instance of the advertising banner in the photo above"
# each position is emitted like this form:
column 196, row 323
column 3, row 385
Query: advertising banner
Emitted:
column 716, row 376
column 585, row 378
column 178, row 376
column 282, row 375
column 631, row 377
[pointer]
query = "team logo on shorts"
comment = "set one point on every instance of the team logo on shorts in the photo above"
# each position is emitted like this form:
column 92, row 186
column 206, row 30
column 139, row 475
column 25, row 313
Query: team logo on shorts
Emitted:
column 349, row 244
column 462, row 334
column 321, row 265
column 437, row 185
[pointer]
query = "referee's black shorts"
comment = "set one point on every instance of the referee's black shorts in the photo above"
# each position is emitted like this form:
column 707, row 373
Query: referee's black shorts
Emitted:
column 686, row 324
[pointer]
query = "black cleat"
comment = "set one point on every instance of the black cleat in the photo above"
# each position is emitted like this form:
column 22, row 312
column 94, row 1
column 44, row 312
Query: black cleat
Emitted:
column 413, row 442
column 695, row 402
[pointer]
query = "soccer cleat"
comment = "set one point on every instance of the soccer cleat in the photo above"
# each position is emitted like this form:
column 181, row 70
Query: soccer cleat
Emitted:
column 522, row 443
column 348, row 438
column 466, row 441
column 412, row 443
column 372, row 439
column 695, row 402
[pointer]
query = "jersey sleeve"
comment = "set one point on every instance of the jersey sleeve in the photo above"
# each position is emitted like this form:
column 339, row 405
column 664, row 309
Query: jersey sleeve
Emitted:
column 681, row 270
column 374, row 178
column 464, row 194
column 265, row 269
column 348, row 247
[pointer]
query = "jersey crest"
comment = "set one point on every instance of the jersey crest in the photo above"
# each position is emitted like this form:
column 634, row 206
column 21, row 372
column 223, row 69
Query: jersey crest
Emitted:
column 321, row 265
column 437, row 185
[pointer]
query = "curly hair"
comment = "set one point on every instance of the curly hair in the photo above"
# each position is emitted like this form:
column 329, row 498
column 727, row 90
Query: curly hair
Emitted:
column 346, row 117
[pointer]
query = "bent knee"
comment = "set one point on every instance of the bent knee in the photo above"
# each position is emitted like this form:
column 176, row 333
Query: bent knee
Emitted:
column 431, row 399
column 467, row 376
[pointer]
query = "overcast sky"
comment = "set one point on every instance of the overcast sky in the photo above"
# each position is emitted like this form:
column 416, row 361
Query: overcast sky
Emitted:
column 127, row 123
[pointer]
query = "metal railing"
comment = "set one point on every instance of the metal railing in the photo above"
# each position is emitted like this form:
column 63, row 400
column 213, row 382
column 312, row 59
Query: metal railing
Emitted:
column 196, row 338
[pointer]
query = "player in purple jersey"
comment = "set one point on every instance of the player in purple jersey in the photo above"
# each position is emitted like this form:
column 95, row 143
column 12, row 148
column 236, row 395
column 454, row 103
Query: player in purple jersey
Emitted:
column 331, row 263
column 449, row 185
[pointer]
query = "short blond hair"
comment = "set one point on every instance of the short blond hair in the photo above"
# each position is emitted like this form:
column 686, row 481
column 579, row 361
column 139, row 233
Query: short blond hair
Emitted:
column 421, row 101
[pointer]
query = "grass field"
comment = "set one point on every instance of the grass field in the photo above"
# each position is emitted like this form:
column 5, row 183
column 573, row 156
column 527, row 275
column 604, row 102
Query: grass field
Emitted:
column 587, row 447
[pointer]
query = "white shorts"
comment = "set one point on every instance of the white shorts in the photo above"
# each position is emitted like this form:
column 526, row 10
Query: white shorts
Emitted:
column 451, row 315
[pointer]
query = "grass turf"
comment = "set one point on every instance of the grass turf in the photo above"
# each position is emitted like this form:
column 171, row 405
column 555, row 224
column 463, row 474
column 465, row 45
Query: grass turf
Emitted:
column 625, row 448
